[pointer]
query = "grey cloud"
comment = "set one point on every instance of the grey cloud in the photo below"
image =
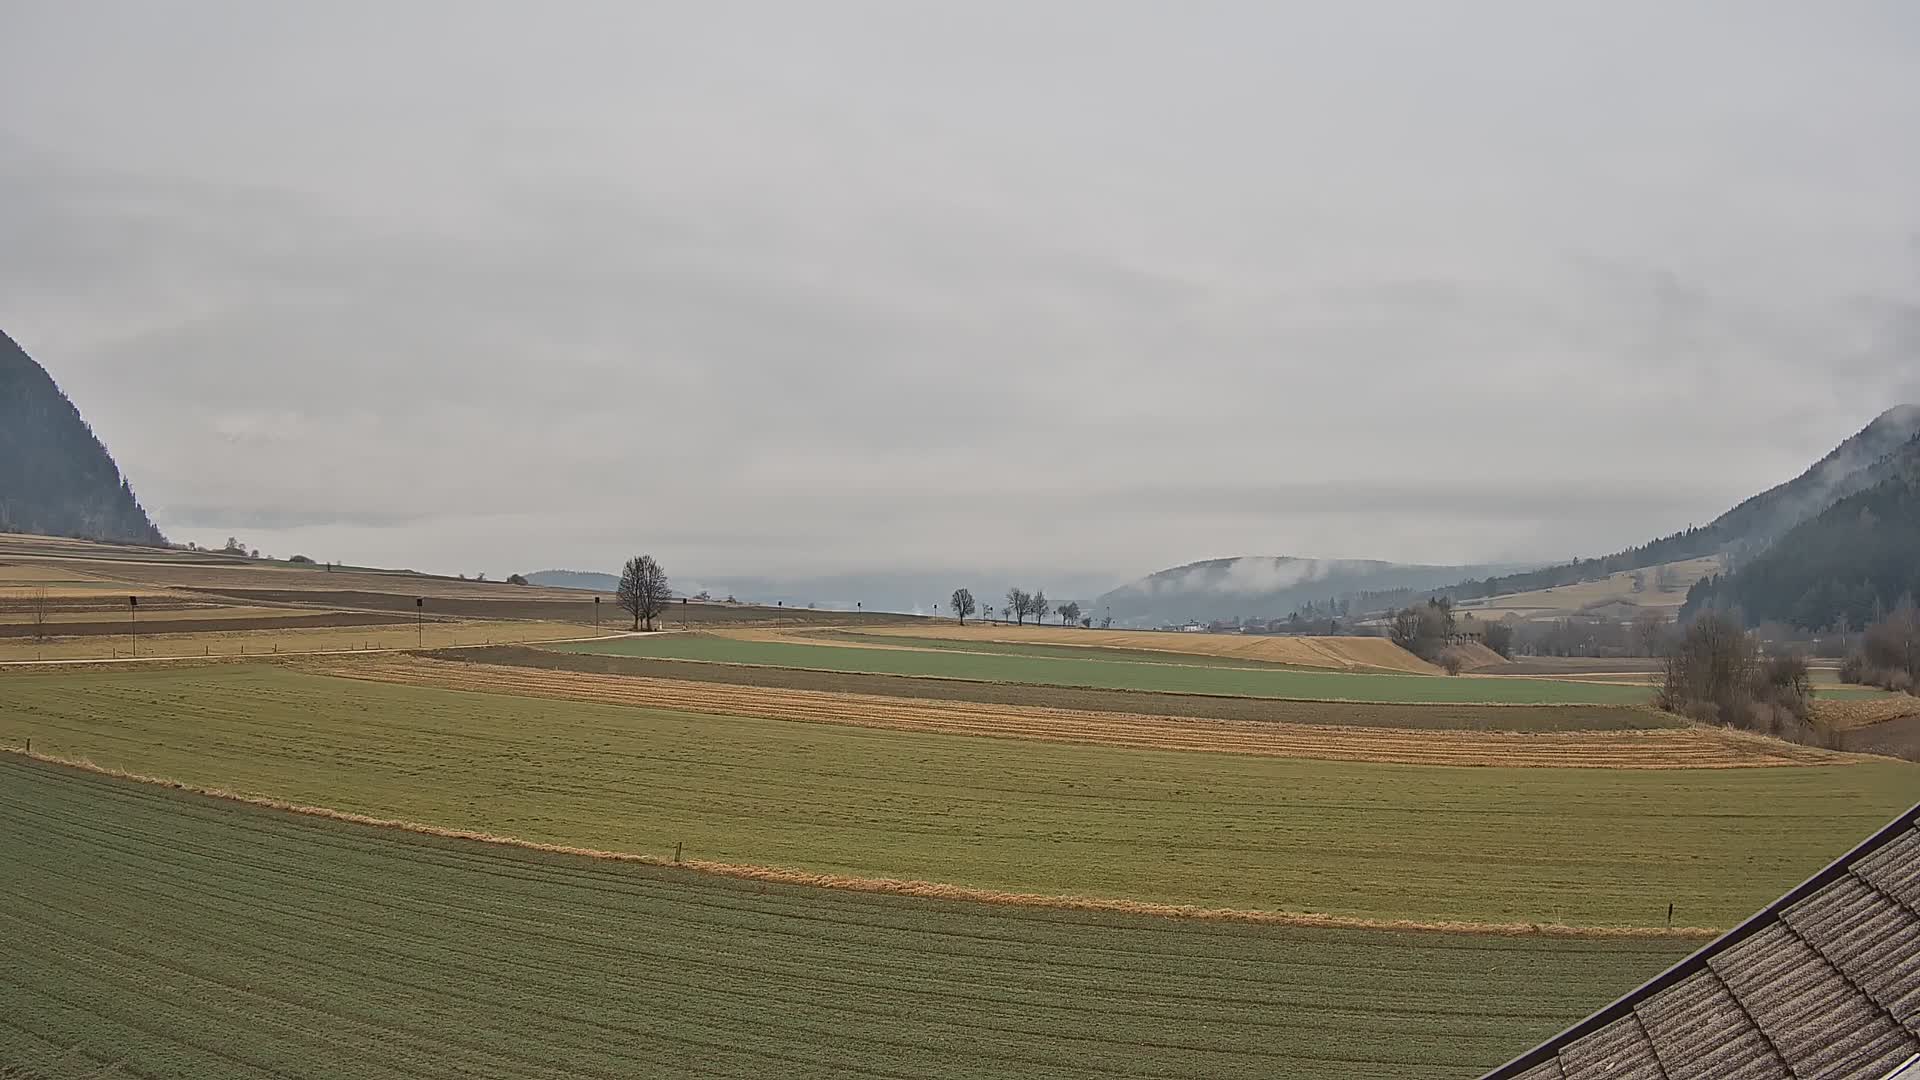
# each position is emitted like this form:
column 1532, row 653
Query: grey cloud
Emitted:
column 1097, row 288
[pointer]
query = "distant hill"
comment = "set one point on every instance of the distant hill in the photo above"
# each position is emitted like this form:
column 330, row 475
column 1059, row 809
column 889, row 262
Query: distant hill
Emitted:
column 575, row 579
column 56, row 477
column 907, row 592
column 1263, row 587
column 1852, row 560
column 1743, row 531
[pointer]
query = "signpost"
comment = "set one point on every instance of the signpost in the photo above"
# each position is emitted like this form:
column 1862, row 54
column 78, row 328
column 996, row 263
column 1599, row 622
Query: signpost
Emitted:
column 133, row 617
column 420, row 620
column 596, row 616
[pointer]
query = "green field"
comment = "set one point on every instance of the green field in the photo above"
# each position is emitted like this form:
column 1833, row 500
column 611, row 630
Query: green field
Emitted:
column 1580, row 846
column 160, row 934
column 1269, row 682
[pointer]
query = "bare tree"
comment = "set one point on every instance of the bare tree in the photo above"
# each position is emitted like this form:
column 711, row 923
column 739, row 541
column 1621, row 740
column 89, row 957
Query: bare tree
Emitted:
column 1069, row 612
column 963, row 604
column 1019, row 603
column 1650, row 632
column 1037, row 606
column 643, row 589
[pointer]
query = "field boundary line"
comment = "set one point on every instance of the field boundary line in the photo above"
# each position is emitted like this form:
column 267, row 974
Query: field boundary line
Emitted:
column 929, row 890
column 1647, row 705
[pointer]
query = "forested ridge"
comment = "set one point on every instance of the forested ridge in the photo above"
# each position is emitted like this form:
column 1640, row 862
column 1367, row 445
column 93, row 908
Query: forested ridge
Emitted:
column 56, row 477
column 1854, row 562
column 1749, row 528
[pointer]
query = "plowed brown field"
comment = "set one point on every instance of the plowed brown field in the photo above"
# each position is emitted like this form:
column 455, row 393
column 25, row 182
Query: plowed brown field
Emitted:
column 1674, row 748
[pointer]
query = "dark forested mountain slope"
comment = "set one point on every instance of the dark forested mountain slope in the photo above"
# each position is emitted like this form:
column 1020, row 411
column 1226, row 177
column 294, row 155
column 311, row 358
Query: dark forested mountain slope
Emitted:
column 1749, row 527
column 1857, row 558
column 56, row 478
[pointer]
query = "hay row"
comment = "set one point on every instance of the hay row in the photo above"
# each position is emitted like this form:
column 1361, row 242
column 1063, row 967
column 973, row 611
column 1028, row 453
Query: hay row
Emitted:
column 1864, row 712
column 1665, row 748
column 1333, row 653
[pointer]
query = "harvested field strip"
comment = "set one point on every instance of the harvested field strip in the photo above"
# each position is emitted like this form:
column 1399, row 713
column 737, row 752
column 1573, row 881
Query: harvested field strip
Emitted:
column 1862, row 712
column 1117, row 675
column 862, row 639
column 203, row 621
column 1581, row 847
column 225, row 639
column 1340, row 653
column 194, row 937
column 1676, row 748
column 1433, row 717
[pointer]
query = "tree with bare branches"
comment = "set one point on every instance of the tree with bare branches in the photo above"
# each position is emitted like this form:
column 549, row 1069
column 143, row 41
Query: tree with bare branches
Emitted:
column 643, row 590
column 963, row 604
column 1019, row 603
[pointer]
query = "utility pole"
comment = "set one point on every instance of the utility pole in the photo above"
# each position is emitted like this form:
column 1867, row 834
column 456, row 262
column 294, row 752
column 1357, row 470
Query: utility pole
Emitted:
column 420, row 621
column 596, row 616
column 133, row 617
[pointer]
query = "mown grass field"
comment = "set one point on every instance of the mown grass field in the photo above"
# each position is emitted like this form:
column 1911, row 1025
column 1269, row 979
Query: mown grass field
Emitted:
column 1115, row 675
column 160, row 934
column 1577, row 846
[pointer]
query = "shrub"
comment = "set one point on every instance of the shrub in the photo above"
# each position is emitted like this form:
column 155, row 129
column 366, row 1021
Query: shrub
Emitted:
column 298, row 558
column 1500, row 638
column 1889, row 654
column 1716, row 675
column 1451, row 661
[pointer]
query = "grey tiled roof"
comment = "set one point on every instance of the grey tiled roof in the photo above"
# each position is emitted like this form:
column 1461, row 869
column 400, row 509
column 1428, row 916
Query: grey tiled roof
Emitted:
column 1824, row 983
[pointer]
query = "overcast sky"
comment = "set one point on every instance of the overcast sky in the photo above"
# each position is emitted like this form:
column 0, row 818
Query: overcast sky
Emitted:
column 1071, row 287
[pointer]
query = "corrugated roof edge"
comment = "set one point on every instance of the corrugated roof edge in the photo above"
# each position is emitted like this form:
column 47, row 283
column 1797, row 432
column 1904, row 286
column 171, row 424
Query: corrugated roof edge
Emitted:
column 1766, row 917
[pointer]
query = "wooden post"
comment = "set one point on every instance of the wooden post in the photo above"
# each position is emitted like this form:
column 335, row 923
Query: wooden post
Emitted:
column 1669, row 916
column 676, row 853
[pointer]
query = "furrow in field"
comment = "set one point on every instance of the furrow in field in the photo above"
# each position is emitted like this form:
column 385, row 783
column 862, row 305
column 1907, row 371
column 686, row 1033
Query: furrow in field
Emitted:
column 328, row 949
column 1669, row 748
column 245, row 911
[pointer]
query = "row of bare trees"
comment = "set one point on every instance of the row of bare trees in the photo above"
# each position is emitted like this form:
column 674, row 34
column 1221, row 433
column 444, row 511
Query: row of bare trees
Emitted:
column 1021, row 604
